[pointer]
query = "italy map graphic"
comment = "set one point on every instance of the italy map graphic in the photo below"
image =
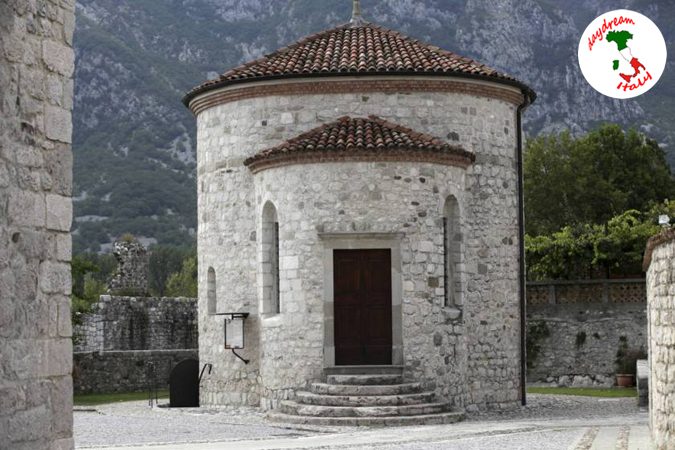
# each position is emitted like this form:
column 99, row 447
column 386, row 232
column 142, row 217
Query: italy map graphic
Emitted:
column 621, row 38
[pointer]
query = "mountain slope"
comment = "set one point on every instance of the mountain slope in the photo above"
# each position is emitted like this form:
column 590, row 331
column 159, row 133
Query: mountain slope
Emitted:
column 134, row 140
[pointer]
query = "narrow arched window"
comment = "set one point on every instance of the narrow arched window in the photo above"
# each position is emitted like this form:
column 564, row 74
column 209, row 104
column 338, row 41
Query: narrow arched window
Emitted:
column 452, row 251
column 270, row 260
column 211, row 291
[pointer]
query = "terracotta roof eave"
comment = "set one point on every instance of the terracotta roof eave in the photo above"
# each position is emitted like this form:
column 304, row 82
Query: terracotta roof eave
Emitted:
column 261, row 163
column 452, row 152
column 530, row 95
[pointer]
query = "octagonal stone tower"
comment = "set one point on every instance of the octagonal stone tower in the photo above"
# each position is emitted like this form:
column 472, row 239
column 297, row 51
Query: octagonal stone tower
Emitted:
column 359, row 198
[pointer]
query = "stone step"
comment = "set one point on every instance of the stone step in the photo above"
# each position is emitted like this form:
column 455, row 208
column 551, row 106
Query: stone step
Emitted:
column 363, row 370
column 309, row 398
column 352, row 390
column 299, row 409
column 392, row 421
column 365, row 379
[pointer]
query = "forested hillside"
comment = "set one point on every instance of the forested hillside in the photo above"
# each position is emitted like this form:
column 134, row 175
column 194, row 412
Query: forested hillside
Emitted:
column 134, row 140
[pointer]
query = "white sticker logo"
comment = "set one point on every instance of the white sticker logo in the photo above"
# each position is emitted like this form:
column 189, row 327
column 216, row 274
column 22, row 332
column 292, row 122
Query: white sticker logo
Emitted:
column 622, row 54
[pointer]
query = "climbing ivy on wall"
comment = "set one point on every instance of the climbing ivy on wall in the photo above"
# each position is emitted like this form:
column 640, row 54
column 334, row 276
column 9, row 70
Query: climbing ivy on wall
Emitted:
column 536, row 332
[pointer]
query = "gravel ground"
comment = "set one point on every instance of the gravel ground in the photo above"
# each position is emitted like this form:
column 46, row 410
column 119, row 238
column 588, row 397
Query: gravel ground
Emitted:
column 545, row 440
column 540, row 406
column 130, row 423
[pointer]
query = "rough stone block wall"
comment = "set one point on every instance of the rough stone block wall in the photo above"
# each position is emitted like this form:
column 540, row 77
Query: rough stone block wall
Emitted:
column 119, row 342
column 138, row 323
column 482, row 346
column 661, row 313
column 131, row 275
column 36, row 92
column 578, row 343
column 125, row 371
column 376, row 198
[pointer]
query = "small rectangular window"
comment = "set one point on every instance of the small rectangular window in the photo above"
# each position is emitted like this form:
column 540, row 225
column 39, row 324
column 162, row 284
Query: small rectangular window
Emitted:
column 446, row 263
column 275, row 259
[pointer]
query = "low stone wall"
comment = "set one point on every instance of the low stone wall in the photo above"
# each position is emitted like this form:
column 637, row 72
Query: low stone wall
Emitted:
column 660, row 261
column 118, row 343
column 138, row 323
column 125, row 371
column 576, row 328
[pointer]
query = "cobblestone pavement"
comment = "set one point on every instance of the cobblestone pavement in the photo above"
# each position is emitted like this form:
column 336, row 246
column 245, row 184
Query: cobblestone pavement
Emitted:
column 548, row 422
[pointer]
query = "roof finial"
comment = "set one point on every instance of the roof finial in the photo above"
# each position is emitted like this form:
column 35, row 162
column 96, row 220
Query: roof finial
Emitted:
column 357, row 18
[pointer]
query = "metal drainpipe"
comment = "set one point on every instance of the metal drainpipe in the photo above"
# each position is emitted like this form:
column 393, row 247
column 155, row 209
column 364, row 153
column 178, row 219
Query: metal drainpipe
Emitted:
column 521, row 245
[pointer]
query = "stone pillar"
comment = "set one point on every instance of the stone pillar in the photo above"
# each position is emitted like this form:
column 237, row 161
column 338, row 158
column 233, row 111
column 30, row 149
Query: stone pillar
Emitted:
column 660, row 266
column 131, row 276
column 36, row 93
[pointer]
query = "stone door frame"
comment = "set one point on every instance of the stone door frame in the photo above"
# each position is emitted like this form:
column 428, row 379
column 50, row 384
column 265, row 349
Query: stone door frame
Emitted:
column 358, row 241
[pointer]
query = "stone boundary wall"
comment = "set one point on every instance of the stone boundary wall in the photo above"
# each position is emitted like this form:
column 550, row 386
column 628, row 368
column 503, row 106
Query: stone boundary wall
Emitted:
column 576, row 328
column 610, row 292
column 36, row 99
column 138, row 323
column 660, row 260
column 123, row 336
column 125, row 371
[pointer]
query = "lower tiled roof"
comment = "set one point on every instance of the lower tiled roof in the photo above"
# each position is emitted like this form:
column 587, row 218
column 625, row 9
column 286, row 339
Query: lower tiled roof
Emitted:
column 360, row 138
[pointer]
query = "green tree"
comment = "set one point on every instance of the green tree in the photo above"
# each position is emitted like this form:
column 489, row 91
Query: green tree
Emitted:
column 87, row 287
column 164, row 261
column 593, row 250
column 564, row 254
column 80, row 266
column 184, row 283
column 591, row 179
column 621, row 247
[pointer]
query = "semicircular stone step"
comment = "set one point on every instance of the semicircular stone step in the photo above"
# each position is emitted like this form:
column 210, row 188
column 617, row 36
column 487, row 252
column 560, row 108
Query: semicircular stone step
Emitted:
column 392, row 421
column 299, row 409
column 352, row 390
column 365, row 379
column 310, row 398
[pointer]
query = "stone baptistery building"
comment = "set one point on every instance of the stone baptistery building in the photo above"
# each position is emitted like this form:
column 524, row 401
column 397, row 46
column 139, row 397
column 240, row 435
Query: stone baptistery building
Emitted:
column 359, row 199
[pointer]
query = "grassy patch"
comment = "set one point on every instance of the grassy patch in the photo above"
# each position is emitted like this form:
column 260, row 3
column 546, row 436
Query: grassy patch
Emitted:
column 101, row 399
column 586, row 392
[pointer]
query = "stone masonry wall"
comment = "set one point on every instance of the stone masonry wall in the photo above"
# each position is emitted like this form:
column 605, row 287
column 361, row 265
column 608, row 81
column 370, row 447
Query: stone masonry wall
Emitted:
column 229, row 211
column 387, row 198
column 579, row 342
column 138, row 323
column 661, row 313
column 36, row 92
column 131, row 275
column 125, row 371
column 127, row 343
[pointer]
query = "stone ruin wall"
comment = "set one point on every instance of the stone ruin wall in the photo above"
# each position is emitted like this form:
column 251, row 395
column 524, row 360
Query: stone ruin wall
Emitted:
column 125, row 371
column 578, row 330
column 660, row 259
column 36, row 93
column 127, row 343
column 131, row 276
column 138, row 323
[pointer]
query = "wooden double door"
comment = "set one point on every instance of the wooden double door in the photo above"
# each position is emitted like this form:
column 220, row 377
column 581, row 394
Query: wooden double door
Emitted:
column 362, row 302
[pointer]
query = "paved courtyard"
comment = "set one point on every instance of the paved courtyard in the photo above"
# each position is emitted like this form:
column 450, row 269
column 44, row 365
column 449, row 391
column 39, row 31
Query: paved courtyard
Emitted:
column 548, row 422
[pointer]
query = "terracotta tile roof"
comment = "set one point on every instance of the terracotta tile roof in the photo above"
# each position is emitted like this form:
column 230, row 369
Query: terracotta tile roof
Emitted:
column 365, row 49
column 369, row 138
